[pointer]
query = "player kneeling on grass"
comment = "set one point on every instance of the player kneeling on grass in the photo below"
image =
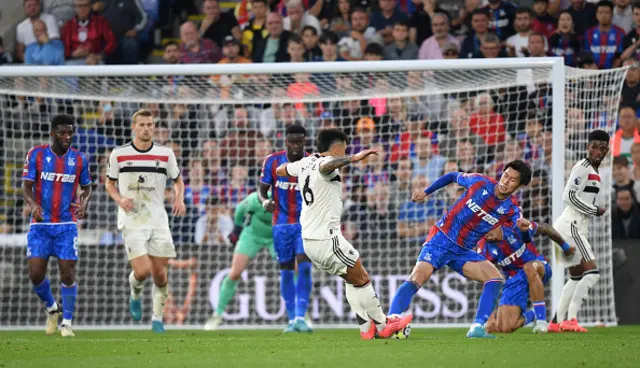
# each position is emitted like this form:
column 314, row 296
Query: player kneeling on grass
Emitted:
column 141, row 168
column 321, row 184
column 252, row 233
column 526, row 271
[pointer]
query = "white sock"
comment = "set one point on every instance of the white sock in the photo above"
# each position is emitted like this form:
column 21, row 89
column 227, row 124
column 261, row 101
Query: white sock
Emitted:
column 136, row 286
column 160, row 294
column 52, row 308
column 354, row 302
column 371, row 305
column 66, row 322
column 565, row 299
column 589, row 279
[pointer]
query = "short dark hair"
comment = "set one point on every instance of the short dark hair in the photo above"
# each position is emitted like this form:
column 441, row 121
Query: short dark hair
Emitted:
column 537, row 34
column 213, row 201
column 635, row 5
column 171, row 43
column 265, row 2
column 327, row 137
column 295, row 39
column 606, row 3
column 523, row 168
column 328, row 36
column 296, row 129
column 62, row 119
column 524, row 10
column 599, row 135
column 374, row 49
column 625, row 106
column 621, row 161
column 480, row 11
column 402, row 23
column 309, row 28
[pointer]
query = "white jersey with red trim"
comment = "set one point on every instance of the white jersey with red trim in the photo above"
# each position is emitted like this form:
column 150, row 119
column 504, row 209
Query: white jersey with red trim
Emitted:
column 580, row 195
column 142, row 176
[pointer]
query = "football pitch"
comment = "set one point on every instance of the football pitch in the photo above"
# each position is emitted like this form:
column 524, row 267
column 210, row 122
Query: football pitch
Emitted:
column 600, row 347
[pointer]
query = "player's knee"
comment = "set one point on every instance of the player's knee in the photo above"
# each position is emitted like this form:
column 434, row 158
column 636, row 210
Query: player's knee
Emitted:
column 360, row 278
column 37, row 276
column 506, row 326
column 234, row 274
column 531, row 271
column 291, row 265
column 160, row 277
column 67, row 275
column 302, row 258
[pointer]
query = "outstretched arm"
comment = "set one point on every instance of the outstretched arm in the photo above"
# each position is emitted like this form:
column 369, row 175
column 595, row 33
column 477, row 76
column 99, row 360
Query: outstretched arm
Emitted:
column 330, row 165
column 441, row 182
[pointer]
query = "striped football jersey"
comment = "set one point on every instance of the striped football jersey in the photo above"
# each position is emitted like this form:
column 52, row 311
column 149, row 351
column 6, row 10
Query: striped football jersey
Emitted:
column 580, row 194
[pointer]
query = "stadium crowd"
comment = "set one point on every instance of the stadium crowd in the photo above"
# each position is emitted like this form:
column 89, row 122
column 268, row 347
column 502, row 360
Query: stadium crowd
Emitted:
column 221, row 147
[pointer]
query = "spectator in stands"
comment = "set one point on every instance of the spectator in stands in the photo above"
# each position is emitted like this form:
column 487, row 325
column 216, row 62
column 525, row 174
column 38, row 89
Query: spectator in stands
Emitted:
column 238, row 145
column 171, row 54
column 532, row 138
column 635, row 165
column 214, row 172
column 44, row 51
column 196, row 191
column 297, row 18
column 376, row 219
column 416, row 219
column 194, row 49
column 161, row 134
column 506, row 152
column 625, row 217
column 502, row 15
column 467, row 159
column 622, row 178
column 425, row 162
column 605, row 53
column 401, row 180
column 459, row 130
column 87, row 38
column 329, row 46
column 127, row 20
column 517, row 45
column 485, row 122
column 491, row 47
column 231, row 51
column 295, row 49
column 585, row 60
column 543, row 22
column 376, row 170
column 353, row 45
column 480, row 26
column 565, row 42
column 218, row 25
column 24, row 31
column 310, row 38
column 627, row 135
column 584, row 15
column 272, row 49
column 214, row 227
column 623, row 15
column 401, row 48
column 325, row 11
column 384, row 19
column 62, row 10
column 237, row 188
column 263, row 148
column 431, row 48
column 421, row 20
column 537, row 45
column 5, row 56
column 256, row 29
column 340, row 24
column 631, row 41
column 631, row 87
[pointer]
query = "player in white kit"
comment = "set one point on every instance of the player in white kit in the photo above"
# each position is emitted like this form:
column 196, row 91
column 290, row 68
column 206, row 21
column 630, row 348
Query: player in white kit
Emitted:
column 141, row 168
column 321, row 184
column 579, row 198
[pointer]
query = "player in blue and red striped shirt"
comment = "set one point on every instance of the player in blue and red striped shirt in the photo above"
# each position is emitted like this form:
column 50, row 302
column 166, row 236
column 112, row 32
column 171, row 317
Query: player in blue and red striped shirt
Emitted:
column 50, row 180
column 526, row 271
column 286, row 205
column 485, row 205
column 604, row 41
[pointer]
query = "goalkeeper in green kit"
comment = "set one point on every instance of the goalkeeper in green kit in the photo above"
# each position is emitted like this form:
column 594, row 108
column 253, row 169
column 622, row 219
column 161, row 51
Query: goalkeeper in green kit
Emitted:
column 252, row 233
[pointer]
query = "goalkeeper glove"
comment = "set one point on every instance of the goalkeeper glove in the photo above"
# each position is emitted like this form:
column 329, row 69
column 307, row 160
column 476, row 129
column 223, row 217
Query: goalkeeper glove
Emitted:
column 235, row 234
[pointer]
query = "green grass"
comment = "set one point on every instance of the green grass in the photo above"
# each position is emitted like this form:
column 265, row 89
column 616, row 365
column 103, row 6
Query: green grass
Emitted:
column 610, row 347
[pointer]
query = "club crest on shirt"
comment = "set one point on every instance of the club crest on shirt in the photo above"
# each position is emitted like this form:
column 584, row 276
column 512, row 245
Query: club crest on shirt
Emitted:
column 511, row 239
column 576, row 181
column 71, row 162
column 501, row 210
column 48, row 159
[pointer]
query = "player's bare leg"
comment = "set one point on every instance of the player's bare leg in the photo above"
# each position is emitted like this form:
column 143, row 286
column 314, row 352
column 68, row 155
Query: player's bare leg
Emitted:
column 42, row 287
column 487, row 273
column 239, row 263
column 141, row 270
column 535, row 273
column 69, row 292
column 159, row 266
column 509, row 318
column 590, row 277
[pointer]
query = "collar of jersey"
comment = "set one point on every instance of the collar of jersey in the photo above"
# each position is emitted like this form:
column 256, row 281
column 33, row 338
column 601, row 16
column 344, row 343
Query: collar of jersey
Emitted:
column 55, row 154
column 141, row 151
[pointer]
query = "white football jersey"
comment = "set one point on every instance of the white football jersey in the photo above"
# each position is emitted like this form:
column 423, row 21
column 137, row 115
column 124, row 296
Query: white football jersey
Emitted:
column 580, row 195
column 142, row 176
column 321, row 198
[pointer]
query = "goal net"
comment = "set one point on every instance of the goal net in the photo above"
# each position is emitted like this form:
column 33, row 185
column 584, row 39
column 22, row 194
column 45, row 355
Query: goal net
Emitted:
column 427, row 117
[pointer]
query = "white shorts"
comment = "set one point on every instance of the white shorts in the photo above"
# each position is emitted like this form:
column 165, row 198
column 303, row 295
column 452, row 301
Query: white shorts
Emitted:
column 332, row 255
column 154, row 242
column 578, row 239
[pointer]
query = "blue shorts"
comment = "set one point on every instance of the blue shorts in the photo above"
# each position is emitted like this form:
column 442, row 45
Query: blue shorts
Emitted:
column 440, row 251
column 287, row 242
column 60, row 241
column 516, row 289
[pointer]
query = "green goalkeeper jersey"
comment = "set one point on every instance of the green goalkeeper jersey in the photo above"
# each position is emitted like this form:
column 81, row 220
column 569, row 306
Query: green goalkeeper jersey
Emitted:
column 254, row 219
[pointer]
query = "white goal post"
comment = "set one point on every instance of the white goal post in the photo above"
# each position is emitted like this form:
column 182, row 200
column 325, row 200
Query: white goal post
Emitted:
column 428, row 117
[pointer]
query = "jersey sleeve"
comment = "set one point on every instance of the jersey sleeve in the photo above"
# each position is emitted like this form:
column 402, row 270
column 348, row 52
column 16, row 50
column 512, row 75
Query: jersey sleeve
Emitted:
column 294, row 168
column 241, row 210
column 113, row 170
column 266, row 176
column 173, row 170
column 575, row 184
column 85, row 175
column 467, row 180
column 29, row 170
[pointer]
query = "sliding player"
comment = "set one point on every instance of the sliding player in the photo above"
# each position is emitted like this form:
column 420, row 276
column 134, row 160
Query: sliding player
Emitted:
column 287, row 239
column 485, row 205
column 141, row 168
column 321, row 184
column 252, row 233
column 579, row 197
column 526, row 270
column 50, row 179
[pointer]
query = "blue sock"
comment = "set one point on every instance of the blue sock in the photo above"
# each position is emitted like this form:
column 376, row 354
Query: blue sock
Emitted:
column 69, row 294
column 541, row 310
column 402, row 298
column 303, row 288
column 529, row 316
column 488, row 299
column 288, row 292
column 44, row 293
